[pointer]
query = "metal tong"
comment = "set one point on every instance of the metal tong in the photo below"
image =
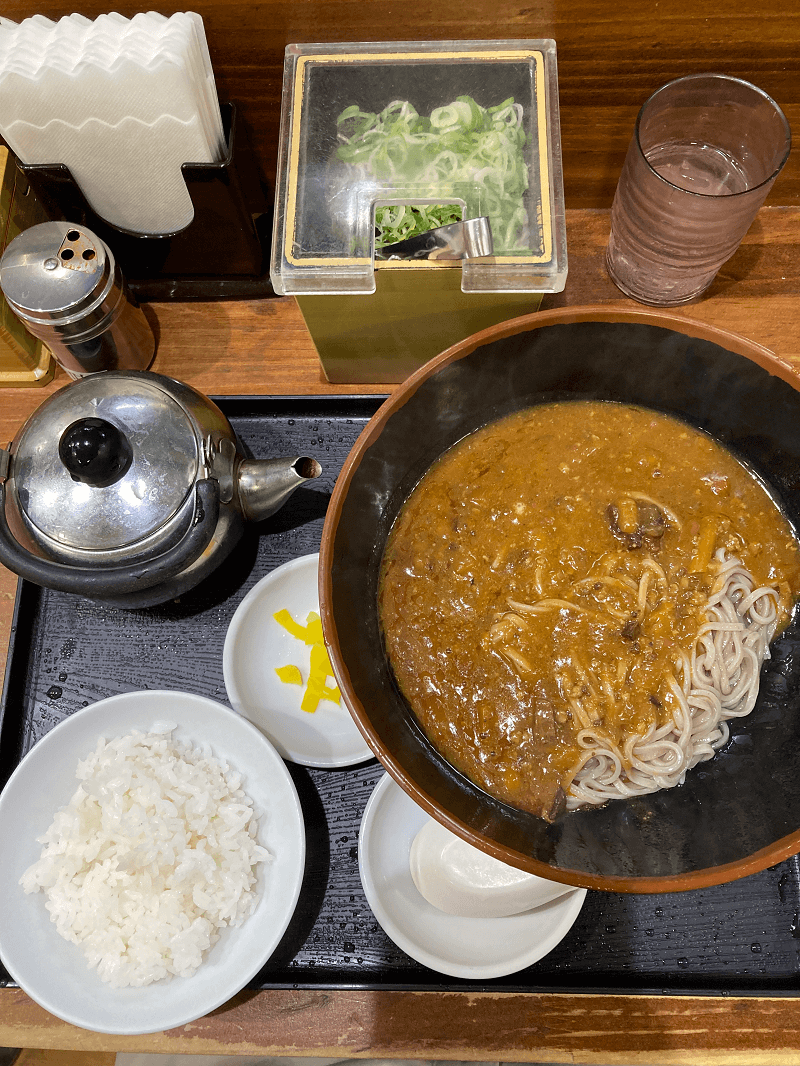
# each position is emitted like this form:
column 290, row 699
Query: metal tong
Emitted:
column 468, row 239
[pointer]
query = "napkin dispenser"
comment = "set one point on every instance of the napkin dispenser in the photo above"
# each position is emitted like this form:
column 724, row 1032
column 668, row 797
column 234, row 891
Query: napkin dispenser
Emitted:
column 367, row 127
column 223, row 250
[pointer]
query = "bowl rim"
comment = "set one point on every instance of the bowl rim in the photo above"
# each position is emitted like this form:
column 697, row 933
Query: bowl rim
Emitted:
column 762, row 859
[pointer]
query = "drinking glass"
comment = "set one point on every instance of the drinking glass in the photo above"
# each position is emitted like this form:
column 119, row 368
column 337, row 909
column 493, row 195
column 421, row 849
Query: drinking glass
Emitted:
column 705, row 152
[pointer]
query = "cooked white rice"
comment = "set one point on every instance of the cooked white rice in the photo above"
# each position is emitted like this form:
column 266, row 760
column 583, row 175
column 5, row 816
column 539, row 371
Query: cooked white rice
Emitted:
column 155, row 853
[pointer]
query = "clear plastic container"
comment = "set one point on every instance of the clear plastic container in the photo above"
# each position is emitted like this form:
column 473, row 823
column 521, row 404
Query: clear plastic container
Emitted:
column 324, row 231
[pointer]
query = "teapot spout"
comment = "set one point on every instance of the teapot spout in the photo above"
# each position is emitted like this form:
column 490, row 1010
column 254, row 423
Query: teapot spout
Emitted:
column 264, row 485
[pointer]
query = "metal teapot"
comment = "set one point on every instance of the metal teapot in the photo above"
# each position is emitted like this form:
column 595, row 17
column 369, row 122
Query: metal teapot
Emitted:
column 130, row 487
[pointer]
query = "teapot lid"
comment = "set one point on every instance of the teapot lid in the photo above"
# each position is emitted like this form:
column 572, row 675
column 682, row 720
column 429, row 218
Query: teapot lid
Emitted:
column 106, row 461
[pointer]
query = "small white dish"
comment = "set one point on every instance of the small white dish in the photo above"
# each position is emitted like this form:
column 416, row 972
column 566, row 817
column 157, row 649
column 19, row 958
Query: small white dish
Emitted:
column 53, row 971
column 470, row 948
column 459, row 879
column 256, row 644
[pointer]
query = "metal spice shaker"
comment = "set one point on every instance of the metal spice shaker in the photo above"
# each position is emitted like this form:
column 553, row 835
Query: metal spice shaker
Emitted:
column 64, row 284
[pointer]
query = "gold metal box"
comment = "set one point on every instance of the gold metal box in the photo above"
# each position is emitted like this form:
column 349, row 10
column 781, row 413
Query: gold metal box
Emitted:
column 379, row 320
column 24, row 361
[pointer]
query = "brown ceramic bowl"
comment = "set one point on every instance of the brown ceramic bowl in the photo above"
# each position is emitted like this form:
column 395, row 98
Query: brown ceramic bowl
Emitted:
column 734, row 815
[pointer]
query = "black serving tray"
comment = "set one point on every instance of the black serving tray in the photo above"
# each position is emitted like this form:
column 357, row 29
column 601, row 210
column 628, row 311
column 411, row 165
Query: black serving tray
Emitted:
column 66, row 652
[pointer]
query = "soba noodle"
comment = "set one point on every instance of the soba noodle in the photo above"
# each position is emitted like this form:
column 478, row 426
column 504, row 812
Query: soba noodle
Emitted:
column 719, row 681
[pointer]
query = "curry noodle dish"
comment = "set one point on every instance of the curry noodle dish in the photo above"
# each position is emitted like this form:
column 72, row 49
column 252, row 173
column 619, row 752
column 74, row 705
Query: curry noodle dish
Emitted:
column 576, row 598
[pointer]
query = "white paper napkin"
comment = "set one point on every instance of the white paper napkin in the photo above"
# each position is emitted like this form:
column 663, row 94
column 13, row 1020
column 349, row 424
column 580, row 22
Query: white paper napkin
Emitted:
column 121, row 102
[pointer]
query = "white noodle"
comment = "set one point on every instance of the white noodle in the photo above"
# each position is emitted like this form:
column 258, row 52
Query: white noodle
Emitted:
column 718, row 682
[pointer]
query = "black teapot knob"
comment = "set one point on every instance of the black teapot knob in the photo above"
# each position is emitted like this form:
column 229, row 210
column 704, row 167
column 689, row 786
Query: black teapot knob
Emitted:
column 95, row 452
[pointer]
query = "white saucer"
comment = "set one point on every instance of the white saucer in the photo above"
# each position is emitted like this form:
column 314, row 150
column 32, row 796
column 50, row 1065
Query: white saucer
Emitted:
column 256, row 644
column 472, row 948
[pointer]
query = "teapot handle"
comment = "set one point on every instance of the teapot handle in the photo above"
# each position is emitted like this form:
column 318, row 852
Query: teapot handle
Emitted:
column 133, row 577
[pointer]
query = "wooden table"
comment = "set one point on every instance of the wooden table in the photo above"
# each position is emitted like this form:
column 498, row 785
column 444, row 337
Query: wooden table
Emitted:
column 262, row 347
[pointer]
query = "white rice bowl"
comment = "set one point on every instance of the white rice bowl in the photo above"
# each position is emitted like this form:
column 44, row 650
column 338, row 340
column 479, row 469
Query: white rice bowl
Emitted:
column 54, row 972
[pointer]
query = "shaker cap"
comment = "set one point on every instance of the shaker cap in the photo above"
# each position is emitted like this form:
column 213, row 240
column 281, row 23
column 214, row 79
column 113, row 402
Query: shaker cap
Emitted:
column 54, row 271
column 141, row 485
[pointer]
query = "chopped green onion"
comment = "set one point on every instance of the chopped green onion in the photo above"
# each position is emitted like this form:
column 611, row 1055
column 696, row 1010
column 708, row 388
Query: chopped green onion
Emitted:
column 399, row 222
column 460, row 142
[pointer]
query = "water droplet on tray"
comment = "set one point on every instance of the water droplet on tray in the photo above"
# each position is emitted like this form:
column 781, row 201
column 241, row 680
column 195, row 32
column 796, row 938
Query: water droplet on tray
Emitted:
column 782, row 886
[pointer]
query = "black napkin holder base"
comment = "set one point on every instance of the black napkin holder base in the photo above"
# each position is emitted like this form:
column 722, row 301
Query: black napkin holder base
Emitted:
column 223, row 252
